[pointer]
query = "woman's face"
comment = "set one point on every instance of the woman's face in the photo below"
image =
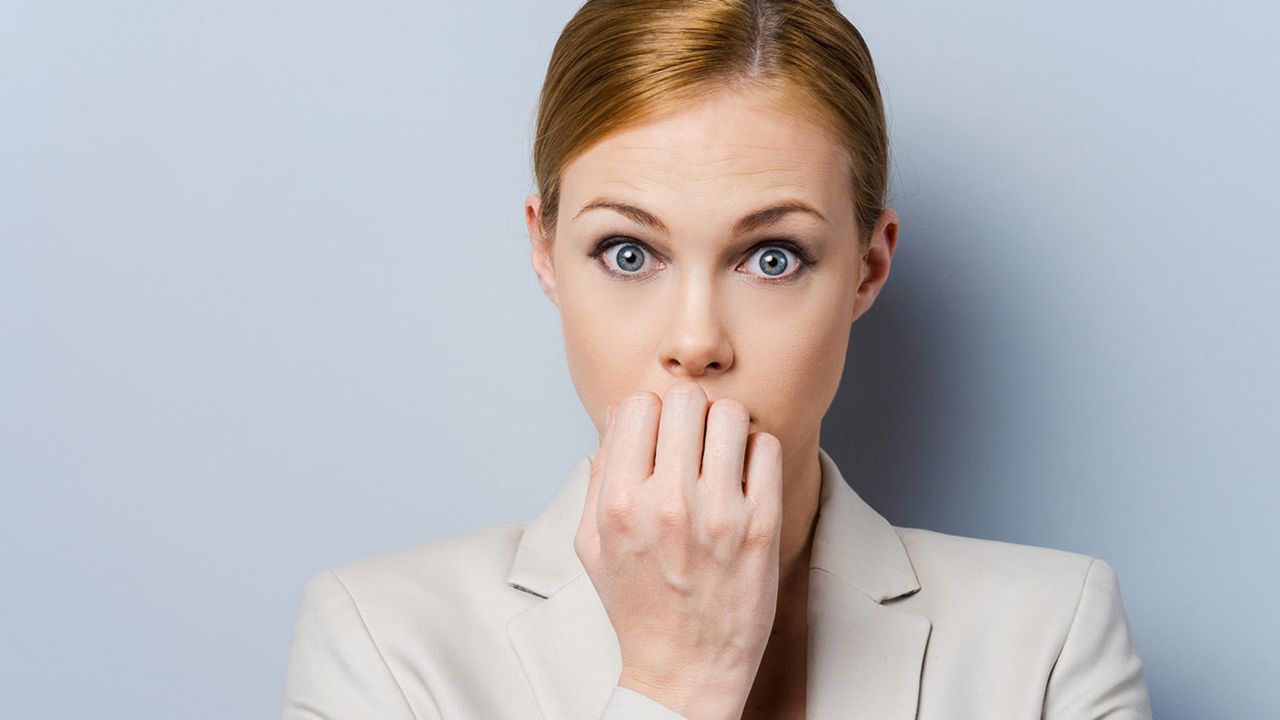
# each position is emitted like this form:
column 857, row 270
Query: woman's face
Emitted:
column 688, row 286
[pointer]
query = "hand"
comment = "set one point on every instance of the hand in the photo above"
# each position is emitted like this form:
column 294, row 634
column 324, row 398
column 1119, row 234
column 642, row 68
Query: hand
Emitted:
column 681, row 542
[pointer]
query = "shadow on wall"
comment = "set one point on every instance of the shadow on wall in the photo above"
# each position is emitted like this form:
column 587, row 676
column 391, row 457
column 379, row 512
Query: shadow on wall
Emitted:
column 921, row 417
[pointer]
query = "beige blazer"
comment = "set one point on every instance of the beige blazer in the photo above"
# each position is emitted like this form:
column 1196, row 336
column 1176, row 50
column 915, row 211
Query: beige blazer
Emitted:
column 503, row 622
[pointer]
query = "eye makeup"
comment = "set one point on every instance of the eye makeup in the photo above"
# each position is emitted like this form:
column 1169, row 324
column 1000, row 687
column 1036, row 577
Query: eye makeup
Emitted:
column 804, row 258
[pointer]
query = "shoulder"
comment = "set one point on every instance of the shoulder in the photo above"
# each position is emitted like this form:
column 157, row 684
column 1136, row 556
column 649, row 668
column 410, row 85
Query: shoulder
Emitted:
column 1035, row 616
column 479, row 556
column 373, row 634
column 998, row 561
column 1031, row 616
column 439, row 583
column 993, row 578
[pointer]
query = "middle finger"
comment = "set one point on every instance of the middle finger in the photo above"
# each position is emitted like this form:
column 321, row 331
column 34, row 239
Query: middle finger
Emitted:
column 680, row 433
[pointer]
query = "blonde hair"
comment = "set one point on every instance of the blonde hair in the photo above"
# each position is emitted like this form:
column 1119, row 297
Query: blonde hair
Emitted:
column 618, row 63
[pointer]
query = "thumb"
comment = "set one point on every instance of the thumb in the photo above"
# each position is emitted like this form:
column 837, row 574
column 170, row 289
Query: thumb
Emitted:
column 588, row 535
column 598, row 455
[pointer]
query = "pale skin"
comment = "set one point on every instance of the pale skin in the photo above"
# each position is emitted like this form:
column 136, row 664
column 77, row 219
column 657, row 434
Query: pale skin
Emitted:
column 718, row 353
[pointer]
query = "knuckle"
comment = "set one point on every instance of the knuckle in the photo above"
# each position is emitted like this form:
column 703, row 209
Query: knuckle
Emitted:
column 673, row 514
column 719, row 527
column 761, row 533
column 618, row 511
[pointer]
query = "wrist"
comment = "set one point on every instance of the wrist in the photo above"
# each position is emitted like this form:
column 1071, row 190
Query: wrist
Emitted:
column 697, row 696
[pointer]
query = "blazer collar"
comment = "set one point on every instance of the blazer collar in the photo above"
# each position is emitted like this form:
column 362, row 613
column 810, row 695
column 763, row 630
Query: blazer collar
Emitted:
column 865, row 657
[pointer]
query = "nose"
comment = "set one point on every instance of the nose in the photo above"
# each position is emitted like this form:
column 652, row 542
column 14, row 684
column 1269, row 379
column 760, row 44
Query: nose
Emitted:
column 696, row 343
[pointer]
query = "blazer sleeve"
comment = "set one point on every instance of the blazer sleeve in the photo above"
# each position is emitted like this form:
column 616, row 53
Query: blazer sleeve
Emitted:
column 335, row 669
column 627, row 704
column 1098, row 673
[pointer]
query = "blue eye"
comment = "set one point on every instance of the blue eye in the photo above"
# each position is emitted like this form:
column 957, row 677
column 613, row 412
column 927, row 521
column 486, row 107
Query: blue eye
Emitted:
column 773, row 262
column 778, row 260
column 629, row 257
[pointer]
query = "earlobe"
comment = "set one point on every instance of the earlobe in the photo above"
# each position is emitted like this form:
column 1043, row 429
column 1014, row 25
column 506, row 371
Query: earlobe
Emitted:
column 544, row 269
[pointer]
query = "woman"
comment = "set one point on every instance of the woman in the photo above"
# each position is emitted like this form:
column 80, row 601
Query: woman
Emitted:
column 709, row 224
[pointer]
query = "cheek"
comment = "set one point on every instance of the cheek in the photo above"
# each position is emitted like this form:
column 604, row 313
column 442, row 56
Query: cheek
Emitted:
column 794, row 372
column 603, row 350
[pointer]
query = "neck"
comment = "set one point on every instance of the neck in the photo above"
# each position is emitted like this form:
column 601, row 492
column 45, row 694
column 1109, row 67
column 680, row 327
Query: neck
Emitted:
column 801, row 486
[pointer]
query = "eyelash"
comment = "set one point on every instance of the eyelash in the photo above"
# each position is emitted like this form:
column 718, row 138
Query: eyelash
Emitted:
column 611, row 241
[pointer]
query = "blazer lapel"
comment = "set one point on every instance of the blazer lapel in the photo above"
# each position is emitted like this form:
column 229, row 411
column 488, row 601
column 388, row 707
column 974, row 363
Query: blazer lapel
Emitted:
column 568, row 650
column 566, row 643
column 865, row 657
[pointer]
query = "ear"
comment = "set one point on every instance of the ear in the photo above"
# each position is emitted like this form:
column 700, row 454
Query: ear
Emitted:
column 540, row 255
column 873, row 267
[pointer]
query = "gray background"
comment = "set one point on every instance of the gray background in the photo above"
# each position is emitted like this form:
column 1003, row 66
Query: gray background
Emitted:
column 265, row 307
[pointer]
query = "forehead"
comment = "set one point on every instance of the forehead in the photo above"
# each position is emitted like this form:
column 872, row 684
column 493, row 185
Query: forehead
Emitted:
column 736, row 147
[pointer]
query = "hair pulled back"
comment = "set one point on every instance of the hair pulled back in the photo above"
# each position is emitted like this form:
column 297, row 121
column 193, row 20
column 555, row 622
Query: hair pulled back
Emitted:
column 619, row 63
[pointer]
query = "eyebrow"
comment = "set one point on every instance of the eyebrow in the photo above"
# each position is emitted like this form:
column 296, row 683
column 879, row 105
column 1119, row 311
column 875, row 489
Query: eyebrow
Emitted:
column 747, row 223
